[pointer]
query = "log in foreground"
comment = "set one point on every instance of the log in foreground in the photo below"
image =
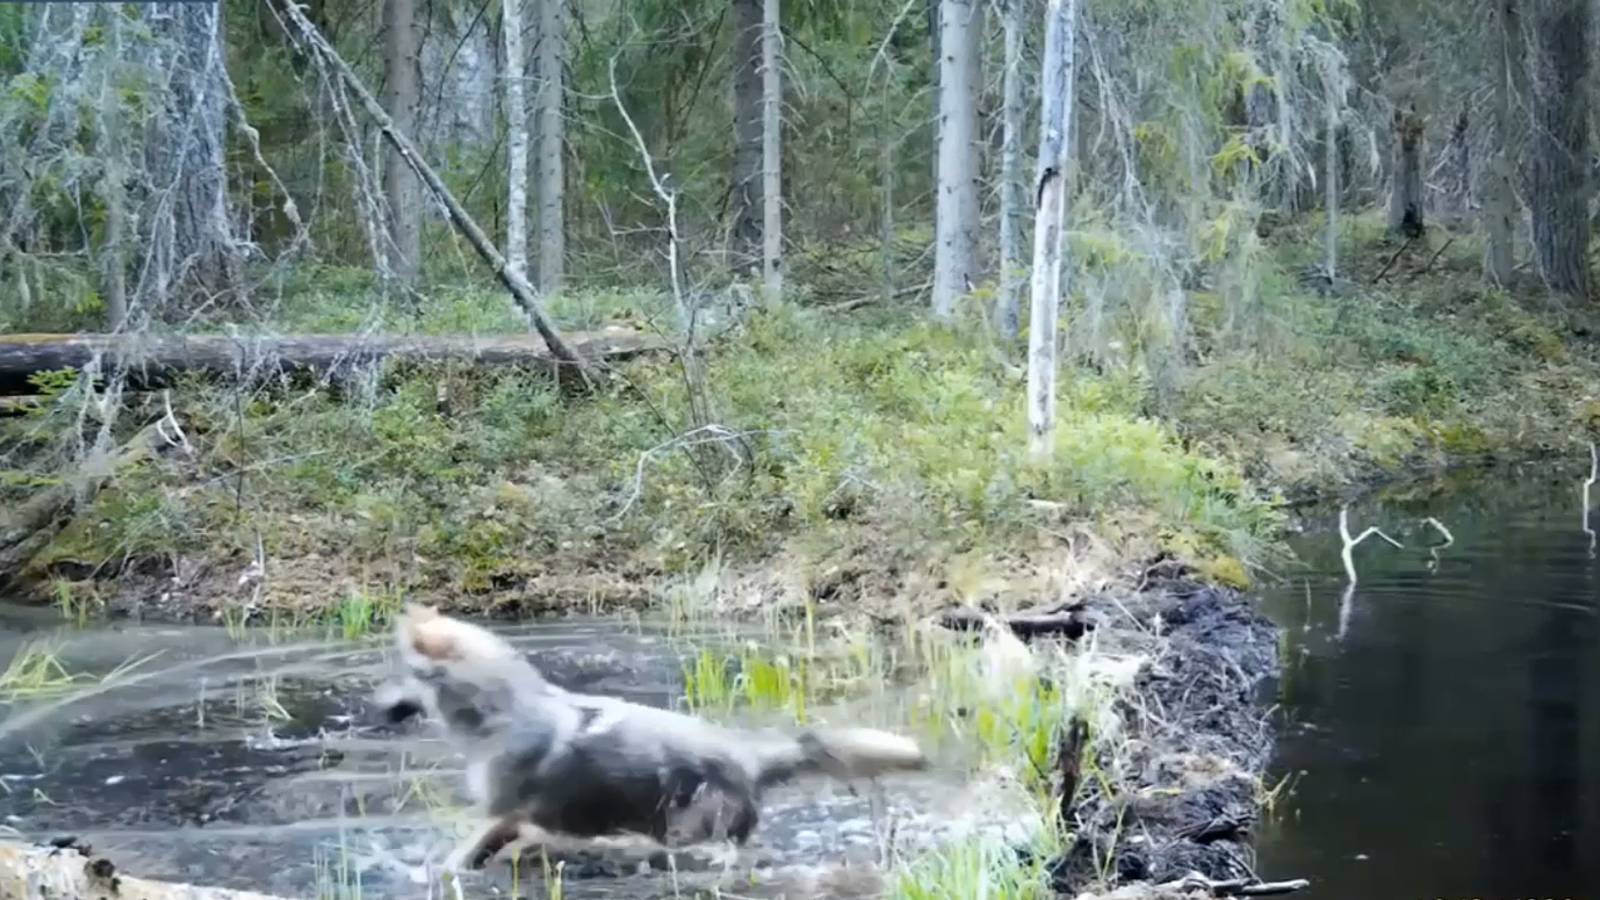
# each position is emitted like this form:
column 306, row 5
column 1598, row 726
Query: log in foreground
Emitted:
column 47, row 873
column 153, row 361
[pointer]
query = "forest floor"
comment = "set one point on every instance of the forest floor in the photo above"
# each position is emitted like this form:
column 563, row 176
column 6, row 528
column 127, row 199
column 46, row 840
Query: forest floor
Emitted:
column 858, row 463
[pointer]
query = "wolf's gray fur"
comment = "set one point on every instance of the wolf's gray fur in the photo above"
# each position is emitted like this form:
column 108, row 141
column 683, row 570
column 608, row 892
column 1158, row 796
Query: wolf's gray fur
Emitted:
column 591, row 766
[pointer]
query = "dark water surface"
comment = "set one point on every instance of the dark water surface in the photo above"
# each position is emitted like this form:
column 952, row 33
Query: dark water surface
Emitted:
column 1447, row 742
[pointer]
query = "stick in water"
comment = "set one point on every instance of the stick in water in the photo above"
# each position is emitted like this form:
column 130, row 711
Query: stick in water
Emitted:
column 1594, row 473
column 1350, row 543
column 1433, row 550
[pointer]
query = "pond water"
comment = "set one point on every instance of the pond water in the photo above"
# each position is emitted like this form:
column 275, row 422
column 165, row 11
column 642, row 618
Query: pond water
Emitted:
column 1442, row 723
column 251, row 761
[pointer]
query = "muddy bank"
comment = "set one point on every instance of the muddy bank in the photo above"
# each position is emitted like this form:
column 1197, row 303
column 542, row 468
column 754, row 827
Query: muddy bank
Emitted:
column 1184, row 784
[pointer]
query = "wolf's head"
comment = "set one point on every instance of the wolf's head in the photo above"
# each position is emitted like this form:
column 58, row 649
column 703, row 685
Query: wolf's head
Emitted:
column 449, row 669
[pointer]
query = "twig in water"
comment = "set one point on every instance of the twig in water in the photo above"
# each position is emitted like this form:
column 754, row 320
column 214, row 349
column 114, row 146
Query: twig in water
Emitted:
column 1236, row 887
column 1594, row 474
column 1350, row 543
column 1434, row 549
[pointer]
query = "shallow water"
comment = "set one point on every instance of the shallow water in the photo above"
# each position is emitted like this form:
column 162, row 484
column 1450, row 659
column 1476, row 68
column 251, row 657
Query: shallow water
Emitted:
column 252, row 762
column 1443, row 723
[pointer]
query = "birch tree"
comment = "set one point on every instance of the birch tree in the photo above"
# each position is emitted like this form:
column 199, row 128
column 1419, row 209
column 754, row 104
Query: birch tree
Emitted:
column 516, row 139
column 960, row 177
column 771, row 158
column 1008, row 305
column 1334, row 88
column 552, row 140
column 746, row 177
column 402, row 95
column 1050, row 191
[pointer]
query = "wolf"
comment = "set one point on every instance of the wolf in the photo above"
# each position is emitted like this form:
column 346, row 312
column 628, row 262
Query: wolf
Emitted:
column 596, row 767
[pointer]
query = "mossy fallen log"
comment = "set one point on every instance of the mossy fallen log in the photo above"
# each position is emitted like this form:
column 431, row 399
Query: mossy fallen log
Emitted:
column 29, row 872
column 151, row 361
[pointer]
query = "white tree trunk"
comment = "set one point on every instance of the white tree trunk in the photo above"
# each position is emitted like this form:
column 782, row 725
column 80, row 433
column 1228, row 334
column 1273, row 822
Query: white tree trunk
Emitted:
column 516, row 65
column 1055, row 110
column 552, row 225
column 771, row 158
column 960, row 176
column 1335, row 90
column 1008, row 306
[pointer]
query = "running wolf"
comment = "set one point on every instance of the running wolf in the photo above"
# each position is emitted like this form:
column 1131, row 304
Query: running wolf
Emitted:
column 593, row 767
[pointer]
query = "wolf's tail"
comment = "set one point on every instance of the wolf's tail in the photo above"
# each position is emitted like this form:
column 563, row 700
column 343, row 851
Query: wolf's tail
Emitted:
column 842, row 753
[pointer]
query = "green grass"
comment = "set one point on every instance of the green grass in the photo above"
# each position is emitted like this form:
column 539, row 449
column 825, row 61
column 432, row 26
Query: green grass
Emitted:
column 977, row 867
column 904, row 432
column 36, row 672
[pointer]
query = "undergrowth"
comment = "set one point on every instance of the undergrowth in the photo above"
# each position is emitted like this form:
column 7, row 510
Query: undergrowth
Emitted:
column 834, row 430
column 444, row 478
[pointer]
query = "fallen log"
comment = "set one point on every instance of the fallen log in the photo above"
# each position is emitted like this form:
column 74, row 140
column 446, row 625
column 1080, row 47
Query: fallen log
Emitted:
column 51, row 873
column 151, row 362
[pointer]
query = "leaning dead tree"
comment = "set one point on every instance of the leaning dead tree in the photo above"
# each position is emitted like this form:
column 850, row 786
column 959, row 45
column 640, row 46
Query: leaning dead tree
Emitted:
column 520, row 289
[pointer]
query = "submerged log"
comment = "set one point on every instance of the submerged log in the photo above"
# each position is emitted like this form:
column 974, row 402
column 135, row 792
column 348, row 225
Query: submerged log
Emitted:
column 151, row 361
column 1069, row 623
column 49, row 873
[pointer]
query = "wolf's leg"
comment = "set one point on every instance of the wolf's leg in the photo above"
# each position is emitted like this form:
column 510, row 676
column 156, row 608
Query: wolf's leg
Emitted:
column 481, row 845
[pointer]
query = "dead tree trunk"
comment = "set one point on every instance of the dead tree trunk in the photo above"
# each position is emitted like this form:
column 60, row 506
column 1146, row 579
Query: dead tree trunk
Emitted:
column 1405, row 197
column 1560, row 191
column 771, row 152
column 1459, row 156
column 1008, row 305
column 153, row 362
column 747, row 134
column 402, row 95
column 552, row 141
column 960, row 172
column 114, row 190
column 520, row 290
column 1050, row 193
column 1500, row 197
column 191, row 233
